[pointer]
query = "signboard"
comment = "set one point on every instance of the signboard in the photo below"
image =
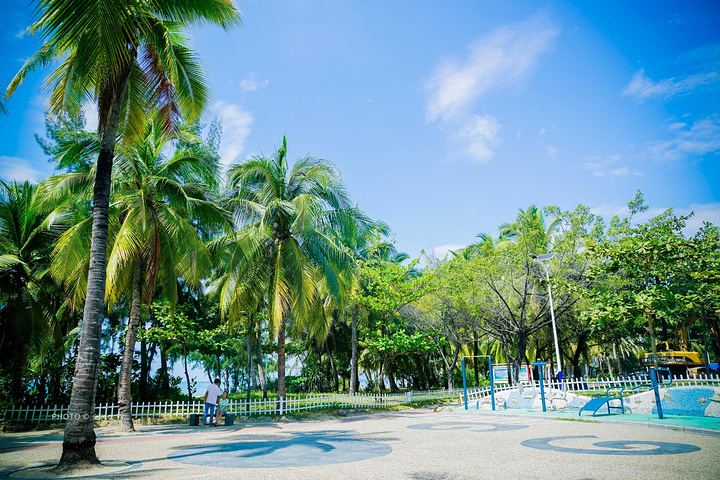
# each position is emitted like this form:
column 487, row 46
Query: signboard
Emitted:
column 500, row 373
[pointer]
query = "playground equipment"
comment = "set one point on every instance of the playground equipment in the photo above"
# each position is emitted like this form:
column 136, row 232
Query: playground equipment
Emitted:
column 616, row 393
column 656, row 383
column 492, row 382
column 598, row 401
column 540, row 366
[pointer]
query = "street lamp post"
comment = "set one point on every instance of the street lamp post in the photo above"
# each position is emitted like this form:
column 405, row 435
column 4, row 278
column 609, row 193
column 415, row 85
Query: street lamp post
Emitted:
column 541, row 259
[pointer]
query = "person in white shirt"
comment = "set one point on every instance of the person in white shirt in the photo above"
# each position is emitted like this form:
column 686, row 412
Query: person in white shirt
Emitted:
column 212, row 393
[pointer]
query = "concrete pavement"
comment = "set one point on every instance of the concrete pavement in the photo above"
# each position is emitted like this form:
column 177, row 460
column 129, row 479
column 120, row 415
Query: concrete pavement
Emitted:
column 415, row 444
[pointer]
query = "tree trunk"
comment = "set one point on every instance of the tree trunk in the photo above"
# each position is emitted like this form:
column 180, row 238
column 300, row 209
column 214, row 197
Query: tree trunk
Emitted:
column 354, row 357
column 124, row 391
column 475, row 361
column 248, row 343
column 144, row 368
column 336, row 378
column 187, row 374
column 260, row 367
column 381, row 375
column 251, row 366
column 653, row 340
column 391, row 379
column 79, row 437
column 618, row 362
column 164, row 373
column 281, row 364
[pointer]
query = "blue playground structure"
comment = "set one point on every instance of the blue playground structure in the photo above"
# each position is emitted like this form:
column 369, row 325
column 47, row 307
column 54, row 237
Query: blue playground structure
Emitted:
column 616, row 394
column 599, row 401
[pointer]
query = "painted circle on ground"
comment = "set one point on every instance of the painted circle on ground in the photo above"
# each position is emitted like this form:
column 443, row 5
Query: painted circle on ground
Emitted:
column 472, row 426
column 107, row 467
column 612, row 447
column 300, row 450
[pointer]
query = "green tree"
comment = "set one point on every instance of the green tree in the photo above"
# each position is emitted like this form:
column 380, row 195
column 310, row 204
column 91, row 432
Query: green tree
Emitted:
column 29, row 314
column 125, row 56
column 282, row 251
column 640, row 270
column 159, row 203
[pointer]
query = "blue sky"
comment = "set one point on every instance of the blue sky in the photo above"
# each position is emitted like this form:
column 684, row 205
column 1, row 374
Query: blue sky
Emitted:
column 447, row 117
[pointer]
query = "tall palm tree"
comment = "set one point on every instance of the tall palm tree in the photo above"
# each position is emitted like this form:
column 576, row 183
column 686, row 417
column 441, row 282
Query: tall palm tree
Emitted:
column 282, row 250
column 157, row 206
column 124, row 55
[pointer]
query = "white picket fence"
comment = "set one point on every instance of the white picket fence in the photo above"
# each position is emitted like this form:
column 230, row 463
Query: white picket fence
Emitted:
column 590, row 387
column 600, row 385
column 55, row 413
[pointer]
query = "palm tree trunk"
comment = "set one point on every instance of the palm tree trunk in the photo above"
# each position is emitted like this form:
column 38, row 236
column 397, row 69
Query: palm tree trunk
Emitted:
column 252, row 380
column 354, row 357
column 248, row 342
column 124, row 392
column 260, row 367
column 145, row 361
column 79, row 436
column 336, row 379
column 281, row 363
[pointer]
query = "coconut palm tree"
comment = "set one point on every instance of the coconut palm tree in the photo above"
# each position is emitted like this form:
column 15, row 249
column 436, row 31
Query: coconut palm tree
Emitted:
column 282, row 250
column 28, row 229
column 125, row 56
column 157, row 205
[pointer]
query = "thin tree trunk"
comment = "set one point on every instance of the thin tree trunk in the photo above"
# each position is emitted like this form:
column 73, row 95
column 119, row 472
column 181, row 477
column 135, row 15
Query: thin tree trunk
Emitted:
column 260, row 366
column 144, row 363
column 653, row 340
column 281, row 363
column 248, row 344
column 336, row 379
column 79, row 437
column 475, row 361
column 187, row 374
column 381, row 375
column 251, row 366
column 124, row 392
column 354, row 357
column 165, row 375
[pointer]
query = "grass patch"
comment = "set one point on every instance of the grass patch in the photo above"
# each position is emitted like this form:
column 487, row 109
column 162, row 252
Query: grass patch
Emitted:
column 562, row 419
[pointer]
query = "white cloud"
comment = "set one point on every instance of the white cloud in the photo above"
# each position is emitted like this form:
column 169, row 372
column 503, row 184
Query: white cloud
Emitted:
column 251, row 83
column 236, row 124
column 494, row 61
column 552, row 151
column 676, row 126
column 19, row 169
column 498, row 59
column 605, row 167
column 542, row 131
column 642, row 87
column 702, row 138
column 476, row 137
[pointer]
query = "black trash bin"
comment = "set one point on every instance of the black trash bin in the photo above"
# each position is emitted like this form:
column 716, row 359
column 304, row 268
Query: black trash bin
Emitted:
column 229, row 418
column 194, row 419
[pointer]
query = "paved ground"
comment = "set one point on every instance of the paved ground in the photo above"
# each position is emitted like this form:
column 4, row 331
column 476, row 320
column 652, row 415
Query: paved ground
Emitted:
column 419, row 444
